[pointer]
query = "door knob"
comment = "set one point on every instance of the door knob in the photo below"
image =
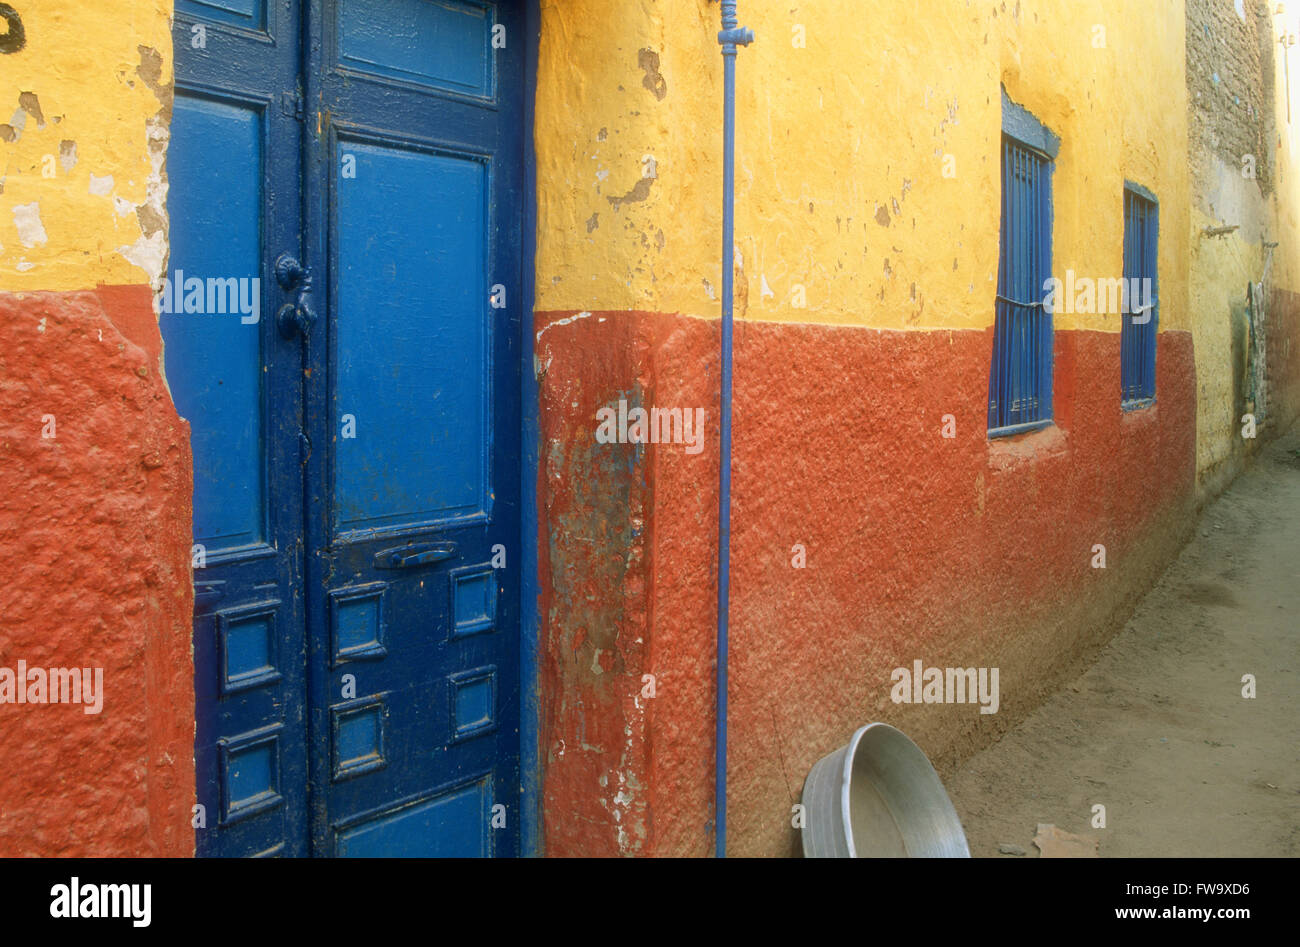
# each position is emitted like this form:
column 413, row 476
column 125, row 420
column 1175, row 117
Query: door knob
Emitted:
column 297, row 317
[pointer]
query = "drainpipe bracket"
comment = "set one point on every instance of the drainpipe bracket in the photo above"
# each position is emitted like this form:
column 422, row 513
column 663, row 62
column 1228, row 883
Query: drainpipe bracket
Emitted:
column 739, row 36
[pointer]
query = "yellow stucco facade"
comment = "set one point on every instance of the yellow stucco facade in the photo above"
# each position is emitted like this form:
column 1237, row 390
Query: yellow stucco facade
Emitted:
column 1223, row 264
column 867, row 154
column 86, row 104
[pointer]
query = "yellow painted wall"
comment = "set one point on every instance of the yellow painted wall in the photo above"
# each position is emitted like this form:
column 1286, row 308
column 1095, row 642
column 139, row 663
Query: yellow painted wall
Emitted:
column 1222, row 266
column 96, row 77
column 846, row 111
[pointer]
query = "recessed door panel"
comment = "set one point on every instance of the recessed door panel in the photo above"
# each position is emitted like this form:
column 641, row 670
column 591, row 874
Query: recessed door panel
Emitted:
column 444, row 45
column 411, row 324
column 215, row 350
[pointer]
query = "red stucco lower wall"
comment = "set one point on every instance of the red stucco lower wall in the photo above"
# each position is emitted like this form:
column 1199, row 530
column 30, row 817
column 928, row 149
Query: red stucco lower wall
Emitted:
column 956, row 552
column 94, row 560
column 1282, row 358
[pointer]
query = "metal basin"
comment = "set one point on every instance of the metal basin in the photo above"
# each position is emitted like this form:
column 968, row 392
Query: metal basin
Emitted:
column 879, row 797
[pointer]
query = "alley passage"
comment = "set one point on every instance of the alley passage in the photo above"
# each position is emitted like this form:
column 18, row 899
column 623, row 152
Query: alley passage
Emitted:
column 1157, row 730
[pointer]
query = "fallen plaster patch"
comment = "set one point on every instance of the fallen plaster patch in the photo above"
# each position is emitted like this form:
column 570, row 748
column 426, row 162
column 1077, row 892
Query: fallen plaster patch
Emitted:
column 101, row 187
column 27, row 218
column 653, row 80
column 640, row 191
column 1057, row 843
column 30, row 104
column 148, row 253
column 150, row 70
column 12, row 131
column 68, row 154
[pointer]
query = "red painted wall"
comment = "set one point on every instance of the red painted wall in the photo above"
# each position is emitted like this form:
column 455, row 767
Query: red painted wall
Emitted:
column 1282, row 358
column 960, row 552
column 94, row 551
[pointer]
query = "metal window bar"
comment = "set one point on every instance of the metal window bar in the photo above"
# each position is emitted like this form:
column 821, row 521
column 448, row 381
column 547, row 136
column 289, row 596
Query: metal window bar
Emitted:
column 1020, row 376
column 1138, row 340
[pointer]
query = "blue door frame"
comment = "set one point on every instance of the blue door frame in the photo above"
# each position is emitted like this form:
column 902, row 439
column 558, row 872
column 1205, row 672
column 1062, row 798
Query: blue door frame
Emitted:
column 530, row 757
column 272, row 753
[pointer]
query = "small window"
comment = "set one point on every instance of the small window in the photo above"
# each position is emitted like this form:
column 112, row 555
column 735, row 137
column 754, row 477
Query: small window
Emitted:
column 1020, row 378
column 1141, row 301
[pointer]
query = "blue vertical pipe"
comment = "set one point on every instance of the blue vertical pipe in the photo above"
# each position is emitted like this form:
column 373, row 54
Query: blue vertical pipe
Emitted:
column 729, row 37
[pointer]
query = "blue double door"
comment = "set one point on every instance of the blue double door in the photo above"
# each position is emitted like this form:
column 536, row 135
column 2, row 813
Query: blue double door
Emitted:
column 342, row 330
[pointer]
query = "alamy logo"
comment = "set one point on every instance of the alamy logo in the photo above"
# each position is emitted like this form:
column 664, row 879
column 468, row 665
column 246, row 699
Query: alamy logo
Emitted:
column 1086, row 295
column 215, row 295
column 53, row 686
column 924, row 685
column 656, row 426
column 77, row 900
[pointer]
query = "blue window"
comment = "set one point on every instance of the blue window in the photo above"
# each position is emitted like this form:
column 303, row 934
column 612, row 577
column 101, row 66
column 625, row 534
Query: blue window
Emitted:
column 1137, row 336
column 1020, row 378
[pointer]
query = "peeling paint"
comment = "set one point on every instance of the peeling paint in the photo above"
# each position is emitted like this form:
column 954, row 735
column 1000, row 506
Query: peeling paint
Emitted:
column 640, row 191
column 148, row 253
column 150, row 71
column 648, row 60
column 27, row 218
column 30, row 104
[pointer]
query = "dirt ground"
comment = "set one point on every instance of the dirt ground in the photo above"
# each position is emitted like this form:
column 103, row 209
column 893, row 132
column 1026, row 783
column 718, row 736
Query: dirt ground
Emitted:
column 1157, row 730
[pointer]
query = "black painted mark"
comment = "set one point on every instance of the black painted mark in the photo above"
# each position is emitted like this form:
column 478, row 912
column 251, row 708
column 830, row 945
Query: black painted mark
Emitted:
column 16, row 38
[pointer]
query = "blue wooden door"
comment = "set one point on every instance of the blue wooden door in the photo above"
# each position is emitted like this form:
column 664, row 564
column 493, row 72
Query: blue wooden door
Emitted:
column 382, row 718
column 413, row 218
column 234, row 163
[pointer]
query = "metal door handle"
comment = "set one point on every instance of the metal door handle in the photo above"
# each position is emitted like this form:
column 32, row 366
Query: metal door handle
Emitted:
column 295, row 318
column 406, row 557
